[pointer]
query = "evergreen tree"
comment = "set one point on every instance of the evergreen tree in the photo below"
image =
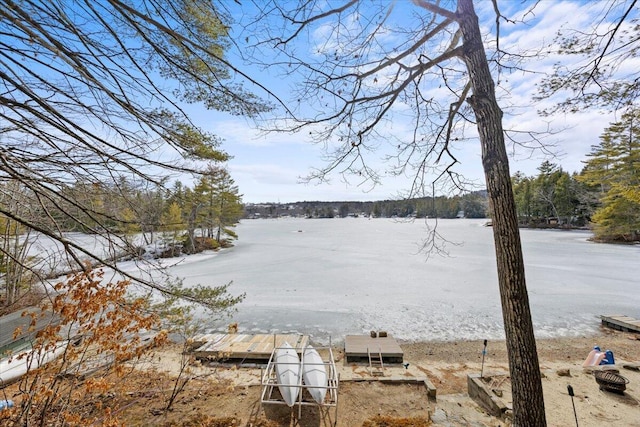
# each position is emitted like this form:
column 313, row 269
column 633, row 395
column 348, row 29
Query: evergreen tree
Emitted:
column 614, row 166
column 229, row 210
column 172, row 222
column 565, row 201
column 545, row 186
column 523, row 196
column 217, row 204
column 474, row 206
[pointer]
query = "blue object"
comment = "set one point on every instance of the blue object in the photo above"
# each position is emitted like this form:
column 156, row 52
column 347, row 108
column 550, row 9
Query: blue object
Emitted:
column 6, row 404
column 608, row 358
column 597, row 348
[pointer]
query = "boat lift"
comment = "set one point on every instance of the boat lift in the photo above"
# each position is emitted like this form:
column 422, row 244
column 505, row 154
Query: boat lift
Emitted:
column 270, row 383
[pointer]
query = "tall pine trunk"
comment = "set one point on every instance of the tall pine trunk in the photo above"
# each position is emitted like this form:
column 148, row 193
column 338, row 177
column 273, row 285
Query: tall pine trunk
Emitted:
column 526, row 382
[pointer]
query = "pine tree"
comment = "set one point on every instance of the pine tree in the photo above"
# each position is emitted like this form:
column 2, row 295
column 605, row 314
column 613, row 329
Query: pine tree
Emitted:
column 172, row 223
column 614, row 166
column 217, row 204
column 230, row 208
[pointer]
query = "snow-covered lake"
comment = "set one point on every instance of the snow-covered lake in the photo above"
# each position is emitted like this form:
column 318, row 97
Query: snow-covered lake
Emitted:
column 332, row 277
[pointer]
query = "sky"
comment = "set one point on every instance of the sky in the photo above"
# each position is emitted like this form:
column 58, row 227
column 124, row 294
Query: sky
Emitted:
column 269, row 168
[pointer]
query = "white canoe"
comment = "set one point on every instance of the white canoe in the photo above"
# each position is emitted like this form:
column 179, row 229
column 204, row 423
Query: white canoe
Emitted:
column 15, row 367
column 288, row 372
column 314, row 374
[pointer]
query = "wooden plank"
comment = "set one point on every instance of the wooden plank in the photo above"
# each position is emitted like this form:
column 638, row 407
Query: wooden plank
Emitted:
column 621, row 322
column 243, row 346
column 357, row 348
column 622, row 318
column 213, row 340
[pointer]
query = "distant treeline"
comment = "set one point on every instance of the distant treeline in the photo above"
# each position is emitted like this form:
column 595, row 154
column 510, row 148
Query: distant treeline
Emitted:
column 552, row 198
column 604, row 195
column 471, row 205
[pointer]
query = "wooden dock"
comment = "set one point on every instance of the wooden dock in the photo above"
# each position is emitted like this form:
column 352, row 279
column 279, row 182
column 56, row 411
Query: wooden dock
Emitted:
column 243, row 347
column 621, row 323
column 357, row 348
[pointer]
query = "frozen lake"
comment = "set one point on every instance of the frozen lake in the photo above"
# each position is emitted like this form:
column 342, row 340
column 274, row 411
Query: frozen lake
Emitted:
column 331, row 277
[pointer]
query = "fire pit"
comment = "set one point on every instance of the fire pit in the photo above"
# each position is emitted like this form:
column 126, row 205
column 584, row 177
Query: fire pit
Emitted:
column 611, row 381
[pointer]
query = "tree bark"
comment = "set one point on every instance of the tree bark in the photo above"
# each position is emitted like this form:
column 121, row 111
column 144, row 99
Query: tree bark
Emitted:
column 526, row 382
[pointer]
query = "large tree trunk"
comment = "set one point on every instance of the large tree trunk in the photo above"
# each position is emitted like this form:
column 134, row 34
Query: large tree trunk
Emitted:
column 526, row 383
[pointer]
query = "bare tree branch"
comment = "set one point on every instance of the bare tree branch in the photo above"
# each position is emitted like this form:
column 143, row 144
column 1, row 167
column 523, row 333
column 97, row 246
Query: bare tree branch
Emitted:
column 595, row 75
column 603, row 53
column 302, row 24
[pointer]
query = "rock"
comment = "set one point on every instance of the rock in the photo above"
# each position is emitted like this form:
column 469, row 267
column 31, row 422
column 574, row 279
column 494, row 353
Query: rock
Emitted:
column 563, row 372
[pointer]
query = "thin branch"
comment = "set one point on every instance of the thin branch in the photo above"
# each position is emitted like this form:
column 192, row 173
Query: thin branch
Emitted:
column 305, row 23
column 600, row 57
column 409, row 51
column 436, row 9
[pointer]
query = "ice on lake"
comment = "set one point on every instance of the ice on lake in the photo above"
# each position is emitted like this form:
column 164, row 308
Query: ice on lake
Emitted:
column 332, row 277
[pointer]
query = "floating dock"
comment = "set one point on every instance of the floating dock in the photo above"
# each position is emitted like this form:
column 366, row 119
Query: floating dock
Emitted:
column 255, row 348
column 621, row 323
column 357, row 348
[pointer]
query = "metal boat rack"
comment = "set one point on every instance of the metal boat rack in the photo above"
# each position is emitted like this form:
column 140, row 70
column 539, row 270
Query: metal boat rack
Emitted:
column 271, row 395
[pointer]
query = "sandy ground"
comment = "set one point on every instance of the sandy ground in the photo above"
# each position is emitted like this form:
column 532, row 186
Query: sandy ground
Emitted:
column 220, row 390
column 217, row 391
